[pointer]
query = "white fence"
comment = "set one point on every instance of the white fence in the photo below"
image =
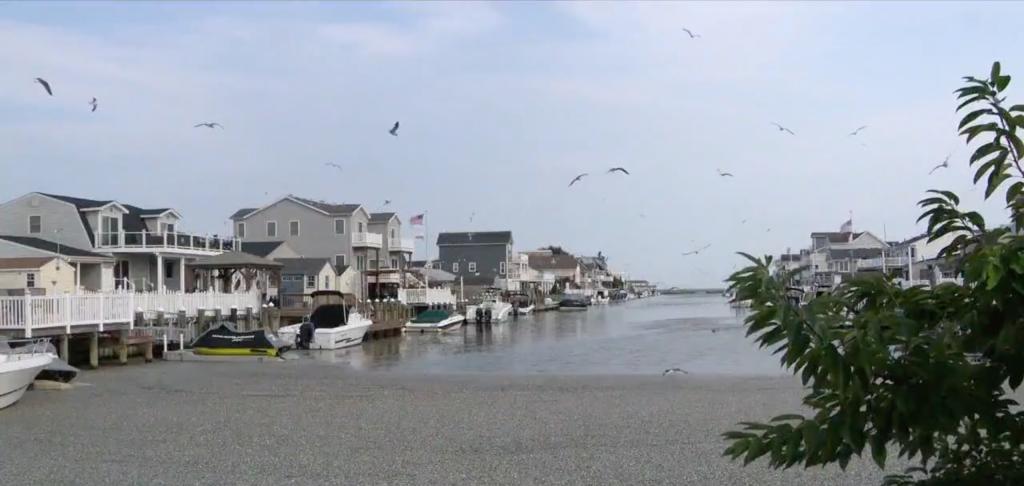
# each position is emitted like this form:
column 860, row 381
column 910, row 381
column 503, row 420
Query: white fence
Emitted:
column 426, row 296
column 29, row 313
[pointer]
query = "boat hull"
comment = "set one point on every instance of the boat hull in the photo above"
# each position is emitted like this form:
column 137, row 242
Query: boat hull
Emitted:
column 571, row 309
column 339, row 337
column 450, row 324
column 17, row 374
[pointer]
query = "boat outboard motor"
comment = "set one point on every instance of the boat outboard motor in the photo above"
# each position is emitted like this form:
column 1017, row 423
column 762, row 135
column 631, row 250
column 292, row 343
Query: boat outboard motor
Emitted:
column 479, row 315
column 305, row 336
column 487, row 316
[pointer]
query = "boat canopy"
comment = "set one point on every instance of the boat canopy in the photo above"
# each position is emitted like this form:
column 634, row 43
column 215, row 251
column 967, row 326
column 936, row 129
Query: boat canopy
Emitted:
column 224, row 339
column 329, row 316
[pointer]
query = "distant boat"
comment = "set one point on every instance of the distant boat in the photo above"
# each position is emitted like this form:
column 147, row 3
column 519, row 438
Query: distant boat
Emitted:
column 573, row 304
column 436, row 320
column 19, row 369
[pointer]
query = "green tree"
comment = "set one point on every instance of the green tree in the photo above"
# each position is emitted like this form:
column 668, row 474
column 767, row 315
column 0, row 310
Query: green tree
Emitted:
column 923, row 373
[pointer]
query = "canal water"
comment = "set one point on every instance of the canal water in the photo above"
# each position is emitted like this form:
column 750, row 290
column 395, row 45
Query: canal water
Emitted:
column 701, row 334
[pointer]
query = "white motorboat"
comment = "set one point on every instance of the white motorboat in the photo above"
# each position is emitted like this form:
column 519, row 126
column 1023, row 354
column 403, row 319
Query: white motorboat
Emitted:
column 331, row 326
column 490, row 309
column 524, row 310
column 439, row 320
column 19, row 369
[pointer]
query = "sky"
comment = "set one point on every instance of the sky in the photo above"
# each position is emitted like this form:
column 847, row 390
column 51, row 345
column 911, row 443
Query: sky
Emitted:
column 501, row 105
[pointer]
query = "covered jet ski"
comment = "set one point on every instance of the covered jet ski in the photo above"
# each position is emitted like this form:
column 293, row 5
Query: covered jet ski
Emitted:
column 224, row 340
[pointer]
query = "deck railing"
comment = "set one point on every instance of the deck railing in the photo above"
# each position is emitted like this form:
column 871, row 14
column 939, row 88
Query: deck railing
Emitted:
column 373, row 240
column 426, row 296
column 177, row 241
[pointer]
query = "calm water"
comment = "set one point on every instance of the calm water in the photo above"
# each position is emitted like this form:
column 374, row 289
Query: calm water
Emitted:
column 700, row 334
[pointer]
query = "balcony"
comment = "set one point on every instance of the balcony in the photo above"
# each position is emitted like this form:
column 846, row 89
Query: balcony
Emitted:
column 404, row 245
column 143, row 242
column 367, row 240
column 896, row 261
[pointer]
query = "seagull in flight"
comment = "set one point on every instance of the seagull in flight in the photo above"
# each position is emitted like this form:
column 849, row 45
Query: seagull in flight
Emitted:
column 724, row 174
column 209, row 125
column 672, row 371
column 690, row 33
column 578, row 178
column 697, row 251
column 332, row 164
column 46, row 86
column 783, row 129
column 858, row 130
column 943, row 165
column 94, row 104
column 387, row 202
column 394, row 130
column 618, row 169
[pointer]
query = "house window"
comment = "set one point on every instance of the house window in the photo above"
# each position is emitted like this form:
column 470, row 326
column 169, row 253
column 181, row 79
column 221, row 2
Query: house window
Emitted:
column 360, row 227
column 110, row 228
column 272, row 229
column 360, row 262
column 501, row 268
column 392, row 233
column 169, row 228
column 293, row 228
column 374, row 263
column 455, row 267
column 310, row 281
column 472, row 267
column 913, row 252
column 240, row 230
column 394, row 263
column 30, row 280
column 168, row 269
column 35, row 224
column 339, row 226
column 327, row 282
column 339, row 260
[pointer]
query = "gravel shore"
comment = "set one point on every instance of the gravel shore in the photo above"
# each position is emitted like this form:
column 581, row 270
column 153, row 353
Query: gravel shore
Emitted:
column 302, row 422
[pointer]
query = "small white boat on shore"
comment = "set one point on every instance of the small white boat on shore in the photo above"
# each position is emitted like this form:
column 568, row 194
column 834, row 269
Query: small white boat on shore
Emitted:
column 437, row 320
column 19, row 369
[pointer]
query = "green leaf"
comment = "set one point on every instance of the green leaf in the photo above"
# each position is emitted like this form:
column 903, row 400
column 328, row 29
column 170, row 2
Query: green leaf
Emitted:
column 970, row 117
column 970, row 101
column 985, row 150
column 1002, row 82
column 1017, row 108
column 995, row 71
column 788, row 416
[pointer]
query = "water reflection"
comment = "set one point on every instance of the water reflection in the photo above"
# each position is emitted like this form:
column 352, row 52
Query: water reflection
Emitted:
column 700, row 334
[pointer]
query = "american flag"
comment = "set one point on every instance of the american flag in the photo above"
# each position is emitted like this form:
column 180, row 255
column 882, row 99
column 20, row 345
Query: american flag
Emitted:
column 416, row 220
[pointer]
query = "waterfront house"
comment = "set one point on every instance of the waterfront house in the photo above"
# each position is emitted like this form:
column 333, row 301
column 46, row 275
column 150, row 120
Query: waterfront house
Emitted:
column 836, row 256
column 479, row 258
column 386, row 272
column 47, row 275
column 110, row 244
column 595, row 272
column 561, row 269
column 303, row 276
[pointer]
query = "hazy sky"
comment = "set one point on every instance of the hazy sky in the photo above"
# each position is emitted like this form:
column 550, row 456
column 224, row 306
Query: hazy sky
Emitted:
column 501, row 105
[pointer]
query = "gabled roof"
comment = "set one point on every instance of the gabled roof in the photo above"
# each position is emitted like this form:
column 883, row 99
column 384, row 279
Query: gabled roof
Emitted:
column 260, row 248
column 837, row 237
column 593, row 263
column 241, row 213
column 80, row 202
column 329, row 208
column 436, row 275
column 50, row 246
column 131, row 220
column 475, row 238
column 234, row 259
column 381, row 217
column 24, row 263
column 553, row 262
column 304, row 266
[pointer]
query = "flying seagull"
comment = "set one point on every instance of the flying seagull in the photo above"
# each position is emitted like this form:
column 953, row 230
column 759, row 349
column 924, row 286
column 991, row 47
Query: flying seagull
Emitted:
column 46, row 86
column 724, row 174
column 858, row 130
column 332, row 164
column 94, row 104
column 783, row 129
column 698, row 250
column 578, row 178
column 618, row 169
column 673, row 370
column 387, row 202
column 690, row 33
column 943, row 165
column 209, row 125
column 394, row 130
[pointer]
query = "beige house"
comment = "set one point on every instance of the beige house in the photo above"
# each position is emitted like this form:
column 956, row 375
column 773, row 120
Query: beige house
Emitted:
column 36, row 275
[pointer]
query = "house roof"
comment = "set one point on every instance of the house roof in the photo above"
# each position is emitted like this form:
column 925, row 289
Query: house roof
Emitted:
column 912, row 239
column 475, row 238
column 789, row 257
column 381, row 217
column 553, row 262
column 260, row 248
column 837, row 237
column 80, row 202
column 436, row 275
column 304, row 266
column 130, row 221
column 234, row 259
column 341, row 269
column 50, row 246
column 26, row 262
column 241, row 213
column 327, row 207
column 592, row 263
column 417, row 263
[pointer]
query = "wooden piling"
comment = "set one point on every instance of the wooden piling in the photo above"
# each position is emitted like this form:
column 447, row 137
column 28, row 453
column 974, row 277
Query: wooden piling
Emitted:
column 249, row 321
column 94, row 350
column 122, row 347
column 218, row 314
column 233, row 315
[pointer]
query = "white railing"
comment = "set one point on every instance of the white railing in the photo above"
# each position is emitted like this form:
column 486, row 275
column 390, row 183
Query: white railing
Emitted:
column 426, row 296
column 401, row 244
column 372, row 240
column 28, row 313
column 177, row 241
column 897, row 261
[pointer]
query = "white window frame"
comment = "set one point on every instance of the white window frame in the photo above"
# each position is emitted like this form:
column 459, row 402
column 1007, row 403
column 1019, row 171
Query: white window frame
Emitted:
column 344, row 226
column 298, row 227
column 455, row 267
column 30, row 280
column 310, row 278
column 501, row 268
column 30, row 224
column 268, row 229
column 362, row 229
column 170, row 228
column 394, row 263
column 240, row 230
column 344, row 260
column 471, row 267
column 392, row 233
column 327, row 282
column 360, row 262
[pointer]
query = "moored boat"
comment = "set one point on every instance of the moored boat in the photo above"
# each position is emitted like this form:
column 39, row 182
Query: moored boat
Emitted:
column 573, row 304
column 490, row 309
column 436, row 320
column 19, row 369
column 333, row 324
column 225, row 340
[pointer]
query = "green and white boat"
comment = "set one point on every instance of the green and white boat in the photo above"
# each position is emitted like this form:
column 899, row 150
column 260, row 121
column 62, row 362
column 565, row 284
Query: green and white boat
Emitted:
column 439, row 320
